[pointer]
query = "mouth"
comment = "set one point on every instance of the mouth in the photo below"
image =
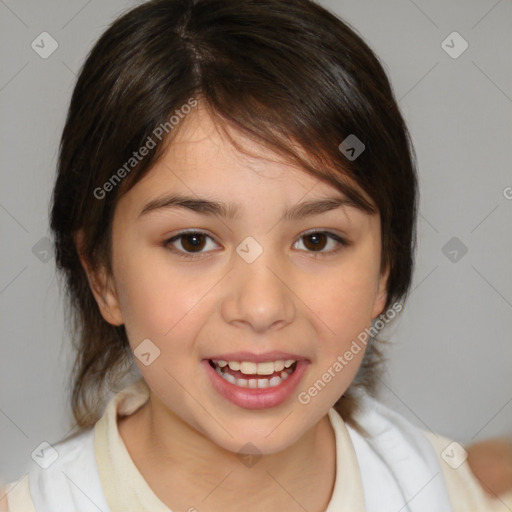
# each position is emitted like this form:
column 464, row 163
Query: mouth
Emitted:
column 248, row 374
column 255, row 384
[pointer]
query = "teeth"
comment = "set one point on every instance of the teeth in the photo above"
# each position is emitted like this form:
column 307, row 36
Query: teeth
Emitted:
column 254, row 383
column 278, row 366
column 265, row 368
column 274, row 381
column 229, row 378
column 262, row 383
column 251, row 368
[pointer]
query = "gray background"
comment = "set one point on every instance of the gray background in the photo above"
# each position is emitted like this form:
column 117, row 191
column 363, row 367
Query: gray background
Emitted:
column 450, row 358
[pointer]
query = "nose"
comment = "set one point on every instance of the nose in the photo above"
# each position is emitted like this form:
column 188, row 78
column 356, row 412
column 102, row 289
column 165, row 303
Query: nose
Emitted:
column 258, row 296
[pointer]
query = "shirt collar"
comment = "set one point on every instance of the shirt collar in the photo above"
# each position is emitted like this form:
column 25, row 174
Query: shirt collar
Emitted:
column 126, row 490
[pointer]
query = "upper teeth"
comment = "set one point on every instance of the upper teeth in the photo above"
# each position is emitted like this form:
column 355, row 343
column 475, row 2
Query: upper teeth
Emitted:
column 250, row 368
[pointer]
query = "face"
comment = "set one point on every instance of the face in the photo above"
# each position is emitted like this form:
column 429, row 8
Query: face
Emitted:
column 279, row 299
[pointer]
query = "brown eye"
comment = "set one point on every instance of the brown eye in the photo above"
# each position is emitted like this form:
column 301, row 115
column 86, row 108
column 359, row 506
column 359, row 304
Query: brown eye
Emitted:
column 190, row 244
column 315, row 241
column 193, row 242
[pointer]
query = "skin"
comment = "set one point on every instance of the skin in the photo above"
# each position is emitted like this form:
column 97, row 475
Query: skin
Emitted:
column 291, row 298
column 491, row 463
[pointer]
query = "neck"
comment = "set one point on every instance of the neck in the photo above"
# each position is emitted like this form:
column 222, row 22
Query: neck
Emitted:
column 300, row 476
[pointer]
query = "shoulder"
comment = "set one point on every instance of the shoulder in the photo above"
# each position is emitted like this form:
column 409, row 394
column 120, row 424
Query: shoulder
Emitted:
column 465, row 489
column 15, row 496
column 61, row 477
column 415, row 455
column 396, row 461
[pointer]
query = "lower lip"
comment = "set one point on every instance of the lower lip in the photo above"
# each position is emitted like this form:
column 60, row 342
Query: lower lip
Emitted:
column 249, row 398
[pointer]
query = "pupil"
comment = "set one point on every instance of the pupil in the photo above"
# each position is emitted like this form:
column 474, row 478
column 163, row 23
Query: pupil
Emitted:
column 195, row 244
column 317, row 239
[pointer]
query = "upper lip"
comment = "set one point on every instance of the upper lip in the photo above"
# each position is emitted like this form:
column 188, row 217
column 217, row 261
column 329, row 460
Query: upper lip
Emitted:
column 257, row 358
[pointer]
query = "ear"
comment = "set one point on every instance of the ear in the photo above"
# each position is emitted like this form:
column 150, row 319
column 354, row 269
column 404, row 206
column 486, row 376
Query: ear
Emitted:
column 382, row 294
column 101, row 284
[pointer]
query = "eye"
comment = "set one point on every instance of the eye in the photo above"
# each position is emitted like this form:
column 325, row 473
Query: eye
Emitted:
column 195, row 243
column 316, row 241
column 191, row 242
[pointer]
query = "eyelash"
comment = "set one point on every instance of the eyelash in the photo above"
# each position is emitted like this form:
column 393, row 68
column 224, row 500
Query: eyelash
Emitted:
column 167, row 243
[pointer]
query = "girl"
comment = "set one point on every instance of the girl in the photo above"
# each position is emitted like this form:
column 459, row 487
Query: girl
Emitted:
column 234, row 212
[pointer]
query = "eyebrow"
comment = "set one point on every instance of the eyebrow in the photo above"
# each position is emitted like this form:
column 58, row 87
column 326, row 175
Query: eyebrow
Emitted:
column 233, row 210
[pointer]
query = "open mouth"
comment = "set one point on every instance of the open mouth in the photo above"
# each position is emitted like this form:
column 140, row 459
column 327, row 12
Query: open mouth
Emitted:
column 247, row 374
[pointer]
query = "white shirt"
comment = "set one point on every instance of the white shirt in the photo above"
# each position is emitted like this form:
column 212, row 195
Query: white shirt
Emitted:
column 398, row 467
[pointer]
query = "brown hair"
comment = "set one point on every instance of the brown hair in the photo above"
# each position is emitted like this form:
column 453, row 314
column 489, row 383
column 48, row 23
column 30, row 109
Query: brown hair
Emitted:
column 286, row 73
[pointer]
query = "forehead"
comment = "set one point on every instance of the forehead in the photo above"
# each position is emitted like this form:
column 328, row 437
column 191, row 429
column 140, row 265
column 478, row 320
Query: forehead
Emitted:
column 202, row 161
column 206, row 153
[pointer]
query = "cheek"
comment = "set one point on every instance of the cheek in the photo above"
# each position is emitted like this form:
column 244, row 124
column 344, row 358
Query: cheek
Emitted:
column 153, row 295
column 345, row 310
column 346, row 300
column 344, row 304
